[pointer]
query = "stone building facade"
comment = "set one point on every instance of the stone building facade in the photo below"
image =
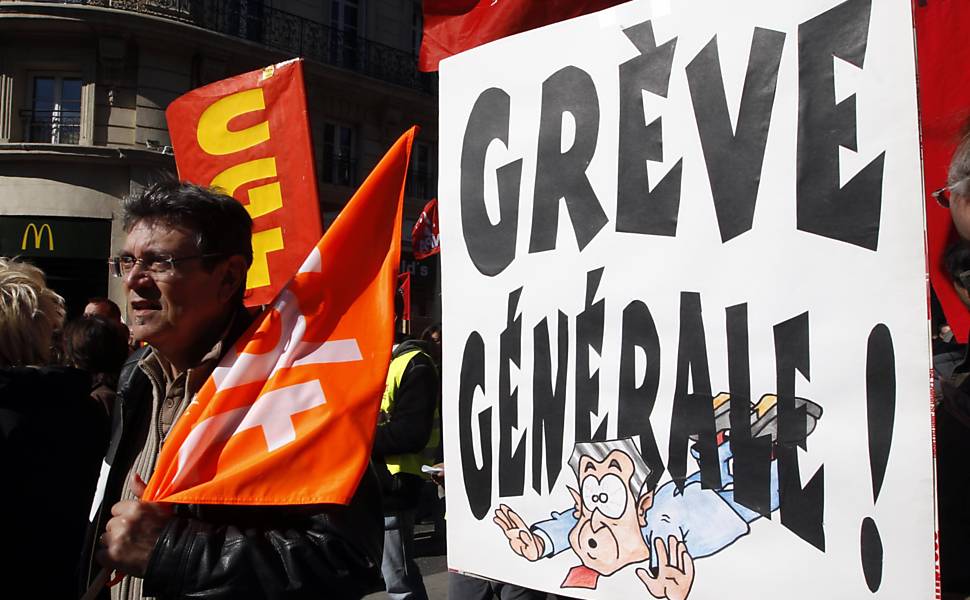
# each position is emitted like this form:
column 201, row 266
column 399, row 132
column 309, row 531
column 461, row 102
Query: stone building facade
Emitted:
column 84, row 85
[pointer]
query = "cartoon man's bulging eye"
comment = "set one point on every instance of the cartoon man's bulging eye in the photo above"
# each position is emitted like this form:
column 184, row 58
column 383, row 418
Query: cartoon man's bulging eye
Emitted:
column 609, row 495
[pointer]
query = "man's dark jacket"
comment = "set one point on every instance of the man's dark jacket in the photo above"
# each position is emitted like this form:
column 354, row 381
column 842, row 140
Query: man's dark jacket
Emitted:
column 240, row 552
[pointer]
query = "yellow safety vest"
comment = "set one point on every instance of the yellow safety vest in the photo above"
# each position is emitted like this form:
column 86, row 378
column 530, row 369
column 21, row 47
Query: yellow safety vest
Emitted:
column 409, row 463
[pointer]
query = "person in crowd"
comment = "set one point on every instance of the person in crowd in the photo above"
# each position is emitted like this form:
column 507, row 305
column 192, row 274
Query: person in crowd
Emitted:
column 184, row 267
column 953, row 406
column 408, row 434
column 466, row 587
column 100, row 347
column 102, row 307
column 431, row 336
column 953, row 441
column 106, row 308
column 955, row 195
column 52, row 438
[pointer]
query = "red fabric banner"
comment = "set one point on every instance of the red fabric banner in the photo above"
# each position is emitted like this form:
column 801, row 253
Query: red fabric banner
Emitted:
column 288, row 416
column 424, row 234
column 944, row 86
column 250, row 136
column 453, row 26
column 404, row 286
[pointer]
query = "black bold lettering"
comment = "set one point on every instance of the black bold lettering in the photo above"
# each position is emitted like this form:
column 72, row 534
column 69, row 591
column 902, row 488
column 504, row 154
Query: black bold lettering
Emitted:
column 490, row 247
column 548, row 402
column 563, row 174
column 693, row 412
column 636, row 398
column 478, row 481
column 752, row 456
column 851, row 213
column 638, row 208
column 589, row 334
column 511, row 461
column 801, row 509
column 880, row 402
column 734, row 159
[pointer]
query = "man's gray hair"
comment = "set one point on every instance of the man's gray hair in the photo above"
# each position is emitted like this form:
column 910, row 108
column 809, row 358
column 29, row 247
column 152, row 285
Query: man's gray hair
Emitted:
column 598, row 451
column 958, row 176
column 30, row 312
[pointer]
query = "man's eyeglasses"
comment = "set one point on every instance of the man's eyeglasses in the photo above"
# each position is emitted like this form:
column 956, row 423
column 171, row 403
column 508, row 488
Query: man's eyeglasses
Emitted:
column 942, row 195
column 156, row 266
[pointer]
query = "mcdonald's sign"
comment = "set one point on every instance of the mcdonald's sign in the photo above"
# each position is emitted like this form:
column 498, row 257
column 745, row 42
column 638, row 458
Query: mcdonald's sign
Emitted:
column 38, row 236
column 55, row 237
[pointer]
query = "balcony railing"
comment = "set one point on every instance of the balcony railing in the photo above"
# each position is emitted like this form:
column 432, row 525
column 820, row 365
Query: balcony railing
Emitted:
column 51, row 126
column 296, row 35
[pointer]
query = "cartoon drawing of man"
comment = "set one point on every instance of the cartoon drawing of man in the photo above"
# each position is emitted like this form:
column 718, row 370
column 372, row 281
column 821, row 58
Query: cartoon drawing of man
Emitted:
column 617, row 520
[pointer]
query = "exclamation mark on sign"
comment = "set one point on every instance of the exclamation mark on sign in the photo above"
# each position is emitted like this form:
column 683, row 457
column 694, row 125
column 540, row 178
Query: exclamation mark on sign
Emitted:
column 880, row 415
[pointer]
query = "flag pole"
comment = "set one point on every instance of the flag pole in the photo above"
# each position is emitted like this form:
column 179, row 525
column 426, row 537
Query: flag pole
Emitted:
column 99, row 583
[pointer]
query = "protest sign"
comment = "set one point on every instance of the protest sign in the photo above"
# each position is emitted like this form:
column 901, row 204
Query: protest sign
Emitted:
column 684, row 288
column 250, row 136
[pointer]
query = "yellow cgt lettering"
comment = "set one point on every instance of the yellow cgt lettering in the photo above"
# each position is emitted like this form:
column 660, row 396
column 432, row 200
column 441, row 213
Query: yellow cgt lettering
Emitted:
column 264, row 242
column 213, row 132
column 263, row 199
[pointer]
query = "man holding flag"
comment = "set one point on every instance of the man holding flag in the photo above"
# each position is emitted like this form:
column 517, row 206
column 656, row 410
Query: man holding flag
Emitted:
column 184, row 266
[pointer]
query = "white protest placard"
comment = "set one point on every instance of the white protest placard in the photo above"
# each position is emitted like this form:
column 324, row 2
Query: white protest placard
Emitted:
column 684, row 297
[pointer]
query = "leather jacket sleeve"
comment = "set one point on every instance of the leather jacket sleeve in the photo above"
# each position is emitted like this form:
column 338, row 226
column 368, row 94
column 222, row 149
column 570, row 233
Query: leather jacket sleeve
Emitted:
column 317, row 551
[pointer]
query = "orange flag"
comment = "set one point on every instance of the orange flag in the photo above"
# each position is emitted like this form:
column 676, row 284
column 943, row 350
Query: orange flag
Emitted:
column 288, row 416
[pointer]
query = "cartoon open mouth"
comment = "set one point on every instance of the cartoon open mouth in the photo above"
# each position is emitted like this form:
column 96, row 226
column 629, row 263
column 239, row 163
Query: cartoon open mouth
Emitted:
column 593, row 544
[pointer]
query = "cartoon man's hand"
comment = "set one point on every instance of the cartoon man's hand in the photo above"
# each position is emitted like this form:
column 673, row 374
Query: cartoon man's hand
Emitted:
column 675, row 573
column 523, row 542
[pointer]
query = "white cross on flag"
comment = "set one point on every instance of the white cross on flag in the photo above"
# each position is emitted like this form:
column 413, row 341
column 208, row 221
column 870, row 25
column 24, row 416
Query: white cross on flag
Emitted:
column 288, row 416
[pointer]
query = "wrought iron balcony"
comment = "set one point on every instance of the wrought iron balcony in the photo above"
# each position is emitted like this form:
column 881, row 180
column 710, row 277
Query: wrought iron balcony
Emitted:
column 254, row 21
column 51, row 126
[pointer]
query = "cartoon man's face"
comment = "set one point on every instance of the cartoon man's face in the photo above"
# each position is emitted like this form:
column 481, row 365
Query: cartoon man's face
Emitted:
column 607, row 536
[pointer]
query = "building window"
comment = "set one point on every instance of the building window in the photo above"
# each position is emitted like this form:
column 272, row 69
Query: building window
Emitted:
column 344, row 19
column 417, row 28
column 54, row 116
column 337, row 164
column 423, row 176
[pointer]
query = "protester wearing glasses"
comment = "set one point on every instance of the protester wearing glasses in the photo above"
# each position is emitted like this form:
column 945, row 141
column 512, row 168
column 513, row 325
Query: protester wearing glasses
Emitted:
column 955, row 195
column 952, row 420
column 184, row 267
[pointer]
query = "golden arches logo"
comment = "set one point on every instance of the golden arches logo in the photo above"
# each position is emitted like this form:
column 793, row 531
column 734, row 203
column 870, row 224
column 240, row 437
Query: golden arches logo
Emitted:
column 38, row 236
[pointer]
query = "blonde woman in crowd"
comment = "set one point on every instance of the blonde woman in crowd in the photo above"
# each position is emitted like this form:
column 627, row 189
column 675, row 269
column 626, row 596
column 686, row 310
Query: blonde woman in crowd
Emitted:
column 52, row 439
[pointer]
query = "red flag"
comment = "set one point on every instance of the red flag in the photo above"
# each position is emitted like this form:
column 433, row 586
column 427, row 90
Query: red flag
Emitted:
column 404, row 286
column 250, row 136
column 453, row 26
column 288, row 416
column 424, row 234
column 944, row 85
